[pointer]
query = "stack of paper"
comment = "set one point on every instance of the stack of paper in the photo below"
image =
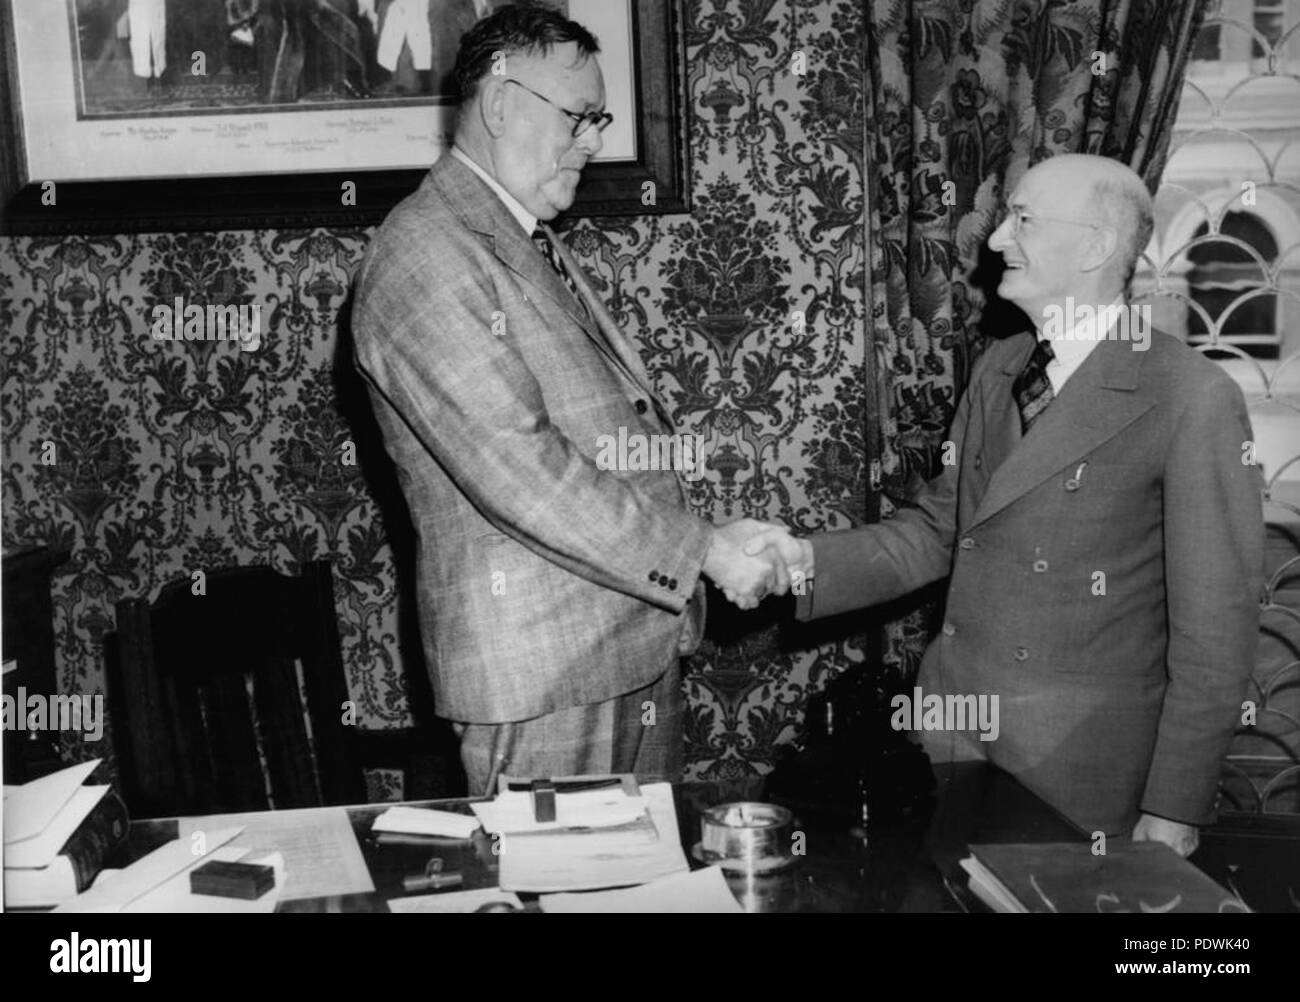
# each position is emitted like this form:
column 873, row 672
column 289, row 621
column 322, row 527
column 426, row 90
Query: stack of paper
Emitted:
column 703, row 892
column 605, row 839
column 512, row 811
column 43, row 863
column 426, row 821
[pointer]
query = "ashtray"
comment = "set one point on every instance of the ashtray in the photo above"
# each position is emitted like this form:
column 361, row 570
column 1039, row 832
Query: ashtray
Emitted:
column 746, row 837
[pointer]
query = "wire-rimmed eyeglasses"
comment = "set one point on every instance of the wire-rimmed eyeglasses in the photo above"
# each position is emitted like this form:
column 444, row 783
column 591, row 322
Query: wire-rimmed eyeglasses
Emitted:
column 1019, row 217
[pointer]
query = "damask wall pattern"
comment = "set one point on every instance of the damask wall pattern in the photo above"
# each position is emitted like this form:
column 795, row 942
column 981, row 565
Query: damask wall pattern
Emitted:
column 174, row 456
column 813, row 318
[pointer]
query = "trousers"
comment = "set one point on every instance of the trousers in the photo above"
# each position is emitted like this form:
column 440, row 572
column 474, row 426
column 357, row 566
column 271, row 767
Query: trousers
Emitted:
column 639, row 732
column 148, row 23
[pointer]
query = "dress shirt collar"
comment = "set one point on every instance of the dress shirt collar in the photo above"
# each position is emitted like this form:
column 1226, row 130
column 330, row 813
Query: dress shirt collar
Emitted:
column 525, row 218
column 1072, row 341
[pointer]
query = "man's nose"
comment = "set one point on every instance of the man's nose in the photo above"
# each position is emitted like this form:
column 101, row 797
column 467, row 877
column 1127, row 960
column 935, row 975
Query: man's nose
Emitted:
column 592, row 141
column 1000, row 238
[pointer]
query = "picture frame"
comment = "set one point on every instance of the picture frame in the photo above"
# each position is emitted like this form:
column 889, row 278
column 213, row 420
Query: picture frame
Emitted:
column 653, row 157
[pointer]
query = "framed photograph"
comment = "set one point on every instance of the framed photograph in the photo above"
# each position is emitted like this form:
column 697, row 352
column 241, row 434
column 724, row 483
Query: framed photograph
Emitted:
column 149, row 115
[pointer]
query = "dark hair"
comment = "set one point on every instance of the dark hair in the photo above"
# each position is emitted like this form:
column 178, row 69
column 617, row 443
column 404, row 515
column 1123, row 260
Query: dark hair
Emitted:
column 518, row 27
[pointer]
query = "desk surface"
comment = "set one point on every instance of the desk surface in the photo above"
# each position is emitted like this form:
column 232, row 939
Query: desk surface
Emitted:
column 909, row 866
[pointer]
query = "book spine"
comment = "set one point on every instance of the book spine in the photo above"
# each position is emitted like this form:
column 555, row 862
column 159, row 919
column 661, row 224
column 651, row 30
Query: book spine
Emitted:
column 101, row 831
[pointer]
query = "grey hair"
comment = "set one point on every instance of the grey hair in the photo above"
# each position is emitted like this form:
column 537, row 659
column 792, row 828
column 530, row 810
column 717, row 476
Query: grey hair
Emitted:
column 1122, row 200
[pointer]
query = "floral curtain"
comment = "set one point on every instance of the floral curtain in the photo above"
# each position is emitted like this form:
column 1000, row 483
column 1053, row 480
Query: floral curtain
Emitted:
column 962, row 97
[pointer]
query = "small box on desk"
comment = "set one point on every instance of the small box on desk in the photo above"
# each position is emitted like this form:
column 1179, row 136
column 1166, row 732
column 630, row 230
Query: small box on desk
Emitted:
column 232, row 880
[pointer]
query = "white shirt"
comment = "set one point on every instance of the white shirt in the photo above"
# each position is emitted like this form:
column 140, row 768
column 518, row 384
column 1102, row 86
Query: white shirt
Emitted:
column 1075, row 343
column 526, row 219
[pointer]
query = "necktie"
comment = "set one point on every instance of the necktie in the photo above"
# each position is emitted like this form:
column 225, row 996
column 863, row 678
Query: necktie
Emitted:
column 1032, row 389
column 544, row 244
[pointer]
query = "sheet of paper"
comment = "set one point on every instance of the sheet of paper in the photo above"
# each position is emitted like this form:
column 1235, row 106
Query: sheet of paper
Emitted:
column 704, row 892
column 560, row 861
column 321, row 855
column 454, row 902
column 513, row 811
column 30, row 808
column 41, row 848
column 124, row 886
column 174, row 895
column 426, row 821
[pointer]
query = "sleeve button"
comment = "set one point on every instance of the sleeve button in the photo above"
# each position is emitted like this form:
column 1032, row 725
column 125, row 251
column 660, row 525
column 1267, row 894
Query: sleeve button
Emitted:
column 654, row 577
column 642, row 406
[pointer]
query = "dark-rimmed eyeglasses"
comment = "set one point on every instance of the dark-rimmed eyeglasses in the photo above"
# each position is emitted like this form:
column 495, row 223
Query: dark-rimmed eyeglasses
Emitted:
column 583, row 123
column 1019, row 217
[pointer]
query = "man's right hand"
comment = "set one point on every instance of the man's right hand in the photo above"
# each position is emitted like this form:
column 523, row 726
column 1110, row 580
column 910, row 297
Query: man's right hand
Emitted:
column 745, row 579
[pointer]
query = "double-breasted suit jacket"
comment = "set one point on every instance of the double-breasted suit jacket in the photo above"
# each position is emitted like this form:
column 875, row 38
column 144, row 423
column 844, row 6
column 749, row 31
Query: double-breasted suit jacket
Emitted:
column 1105, row 575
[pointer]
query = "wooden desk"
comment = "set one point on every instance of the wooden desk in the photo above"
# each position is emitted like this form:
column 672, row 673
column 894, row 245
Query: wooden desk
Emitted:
column 907, row 867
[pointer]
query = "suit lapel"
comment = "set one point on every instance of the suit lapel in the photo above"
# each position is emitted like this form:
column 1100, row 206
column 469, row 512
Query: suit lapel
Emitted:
column 484, row 213
column 1101, row 399
column 607, row 334
column 1001, row 432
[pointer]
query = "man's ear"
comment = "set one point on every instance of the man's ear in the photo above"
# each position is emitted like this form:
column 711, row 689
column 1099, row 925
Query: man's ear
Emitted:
column 1101, row 247
column 492, row 105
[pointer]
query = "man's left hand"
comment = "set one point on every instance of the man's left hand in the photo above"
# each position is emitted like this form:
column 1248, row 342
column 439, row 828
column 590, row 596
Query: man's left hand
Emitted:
column 1181, row 838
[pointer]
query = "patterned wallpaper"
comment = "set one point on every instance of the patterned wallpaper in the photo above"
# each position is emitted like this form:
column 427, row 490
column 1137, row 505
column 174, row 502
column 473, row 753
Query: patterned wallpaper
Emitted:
column 150, row 459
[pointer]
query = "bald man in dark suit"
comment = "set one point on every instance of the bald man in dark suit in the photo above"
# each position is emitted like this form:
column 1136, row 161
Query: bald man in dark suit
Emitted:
column 1101, row 526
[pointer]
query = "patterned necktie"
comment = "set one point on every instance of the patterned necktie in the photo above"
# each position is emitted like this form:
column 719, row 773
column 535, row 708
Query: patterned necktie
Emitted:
column 544, row 244
column 1032, row 389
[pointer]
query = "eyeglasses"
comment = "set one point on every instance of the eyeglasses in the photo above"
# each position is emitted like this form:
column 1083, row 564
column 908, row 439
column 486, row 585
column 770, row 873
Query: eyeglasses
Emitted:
column 582, row 123
column 1019, row 217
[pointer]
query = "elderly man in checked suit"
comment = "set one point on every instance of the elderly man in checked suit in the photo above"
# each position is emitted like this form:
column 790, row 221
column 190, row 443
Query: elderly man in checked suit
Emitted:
column 1101, row 526
column 556, row 597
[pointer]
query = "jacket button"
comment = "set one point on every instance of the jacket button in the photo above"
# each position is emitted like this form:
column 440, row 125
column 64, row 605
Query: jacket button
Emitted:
column 1040, row 566
column 968, row 543
column 949, row 629
column 979, row 461
column 1022, row 654
column 654, row 577
column 1072, row 484
column 642, row 406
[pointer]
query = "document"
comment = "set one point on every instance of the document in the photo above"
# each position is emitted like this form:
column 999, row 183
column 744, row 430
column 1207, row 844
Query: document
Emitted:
column 321, row 855
column 31, row 808
column 512, row 811
column 40, row 849
column 426, row 821
column 569, row 860
column 702, row 892
column 455, row 902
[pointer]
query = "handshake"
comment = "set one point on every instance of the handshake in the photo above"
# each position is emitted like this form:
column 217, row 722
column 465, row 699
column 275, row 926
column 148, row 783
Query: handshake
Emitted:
column 749, row 560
